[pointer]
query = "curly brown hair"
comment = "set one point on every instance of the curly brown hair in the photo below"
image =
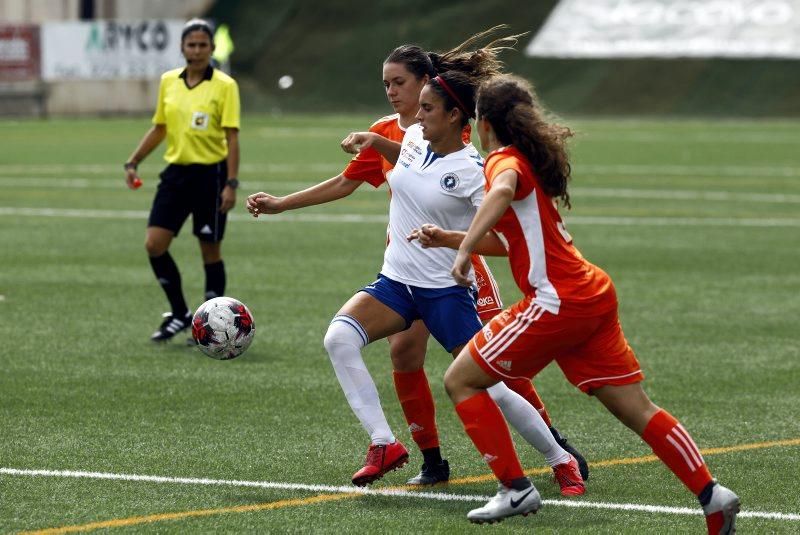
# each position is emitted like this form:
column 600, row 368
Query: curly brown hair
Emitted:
column 510, row 105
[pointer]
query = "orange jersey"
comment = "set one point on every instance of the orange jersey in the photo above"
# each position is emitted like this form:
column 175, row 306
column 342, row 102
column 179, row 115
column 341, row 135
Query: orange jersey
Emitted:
column 368, row 165
column 545, row 264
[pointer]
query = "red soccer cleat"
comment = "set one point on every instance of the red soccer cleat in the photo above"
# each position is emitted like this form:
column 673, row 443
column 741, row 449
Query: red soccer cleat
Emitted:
column 380, row 460
column 568, row 477
column 721, row 511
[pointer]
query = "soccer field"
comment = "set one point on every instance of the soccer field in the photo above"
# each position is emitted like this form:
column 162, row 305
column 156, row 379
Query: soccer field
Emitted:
column 697, row 222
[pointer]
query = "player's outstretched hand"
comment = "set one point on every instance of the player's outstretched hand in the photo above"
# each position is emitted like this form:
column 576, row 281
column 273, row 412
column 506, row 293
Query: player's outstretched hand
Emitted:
column 461, row 267
column 263, row 203
column 428, row 235
column 355, row 142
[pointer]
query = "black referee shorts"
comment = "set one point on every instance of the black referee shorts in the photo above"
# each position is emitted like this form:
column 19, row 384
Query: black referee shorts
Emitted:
column 191, row 189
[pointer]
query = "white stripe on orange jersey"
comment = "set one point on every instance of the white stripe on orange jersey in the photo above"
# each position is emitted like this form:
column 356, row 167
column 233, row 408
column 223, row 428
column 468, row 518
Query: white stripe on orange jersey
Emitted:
column 527, row 212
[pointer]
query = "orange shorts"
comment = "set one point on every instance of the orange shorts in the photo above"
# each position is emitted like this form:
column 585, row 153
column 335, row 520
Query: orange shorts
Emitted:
column 525, row 338
column 489, row 304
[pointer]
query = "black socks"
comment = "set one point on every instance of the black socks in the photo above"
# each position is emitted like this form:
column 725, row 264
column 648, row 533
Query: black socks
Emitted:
column 215, row 279
column 170, row 279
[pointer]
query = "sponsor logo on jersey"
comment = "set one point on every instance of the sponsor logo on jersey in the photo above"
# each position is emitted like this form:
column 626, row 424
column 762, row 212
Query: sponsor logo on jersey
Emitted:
column 487, row 333
column 449, row 182
column 505, row 364
column 416, row 148
column 405, row 157
column 483, row 301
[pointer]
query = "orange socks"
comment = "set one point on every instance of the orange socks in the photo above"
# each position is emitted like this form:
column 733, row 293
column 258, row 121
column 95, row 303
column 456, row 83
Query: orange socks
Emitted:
column 485, row 425
column 415, row 397
column 673, row 445
column 524, row 387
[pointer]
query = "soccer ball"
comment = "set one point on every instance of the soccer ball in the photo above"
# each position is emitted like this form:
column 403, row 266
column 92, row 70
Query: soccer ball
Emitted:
column 223, row 328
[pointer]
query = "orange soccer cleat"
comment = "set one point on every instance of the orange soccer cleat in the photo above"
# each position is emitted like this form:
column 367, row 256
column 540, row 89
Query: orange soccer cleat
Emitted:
column 380, row 460
column 568, row 477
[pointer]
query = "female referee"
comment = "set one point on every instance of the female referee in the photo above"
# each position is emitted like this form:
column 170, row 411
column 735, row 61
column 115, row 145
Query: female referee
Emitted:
column 198, row 114
column 371, row 314
column 569, row 312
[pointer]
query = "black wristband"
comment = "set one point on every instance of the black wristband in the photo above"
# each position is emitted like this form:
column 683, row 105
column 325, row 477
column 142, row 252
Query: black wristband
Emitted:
column 129, row 165
column 233, row 183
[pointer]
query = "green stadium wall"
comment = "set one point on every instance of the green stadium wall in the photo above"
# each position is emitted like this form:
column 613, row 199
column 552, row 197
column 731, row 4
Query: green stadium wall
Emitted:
column 333, row 50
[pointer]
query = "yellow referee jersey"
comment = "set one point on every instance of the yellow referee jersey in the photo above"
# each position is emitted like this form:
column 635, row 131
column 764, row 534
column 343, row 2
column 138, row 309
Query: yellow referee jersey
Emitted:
column 195, row 118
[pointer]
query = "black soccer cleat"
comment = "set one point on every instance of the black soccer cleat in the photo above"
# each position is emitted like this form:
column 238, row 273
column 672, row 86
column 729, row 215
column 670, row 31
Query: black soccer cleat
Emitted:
column 432, row 475
column 171, row 326
column 583, row 466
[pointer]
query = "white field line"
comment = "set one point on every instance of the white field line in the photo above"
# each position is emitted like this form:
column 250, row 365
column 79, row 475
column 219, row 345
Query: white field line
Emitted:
column 442, row 496
column 770, row 138
column 334, row 168
column 619, row 193
column 383, row 219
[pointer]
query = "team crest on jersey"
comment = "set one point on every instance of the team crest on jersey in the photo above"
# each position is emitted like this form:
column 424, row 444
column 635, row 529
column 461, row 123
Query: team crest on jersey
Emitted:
column 199, row 120
column 449, row 182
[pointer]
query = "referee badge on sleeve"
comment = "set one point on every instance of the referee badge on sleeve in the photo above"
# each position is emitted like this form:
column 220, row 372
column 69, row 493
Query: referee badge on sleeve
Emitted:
column 199, row 120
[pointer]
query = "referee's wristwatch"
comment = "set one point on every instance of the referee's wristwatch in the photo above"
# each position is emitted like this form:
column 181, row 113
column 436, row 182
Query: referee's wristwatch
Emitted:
column 233, row 183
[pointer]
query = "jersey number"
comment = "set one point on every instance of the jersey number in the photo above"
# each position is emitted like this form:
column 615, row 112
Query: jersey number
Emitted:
column 563, row 230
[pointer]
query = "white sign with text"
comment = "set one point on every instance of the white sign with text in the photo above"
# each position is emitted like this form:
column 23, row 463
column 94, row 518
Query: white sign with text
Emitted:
column 108, row 50
column 670, row 28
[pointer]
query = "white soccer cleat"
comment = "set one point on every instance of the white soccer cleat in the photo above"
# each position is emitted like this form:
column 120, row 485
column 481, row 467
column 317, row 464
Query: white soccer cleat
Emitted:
column 507, row 502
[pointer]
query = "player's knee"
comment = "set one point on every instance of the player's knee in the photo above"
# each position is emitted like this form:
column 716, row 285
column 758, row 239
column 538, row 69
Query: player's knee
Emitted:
column 153, row 247
column 344, row 330
column 406, row 357
column 453, row 384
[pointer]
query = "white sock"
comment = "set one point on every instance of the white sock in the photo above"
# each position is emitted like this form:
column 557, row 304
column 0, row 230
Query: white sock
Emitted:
column 343, row 341
column 528, row 423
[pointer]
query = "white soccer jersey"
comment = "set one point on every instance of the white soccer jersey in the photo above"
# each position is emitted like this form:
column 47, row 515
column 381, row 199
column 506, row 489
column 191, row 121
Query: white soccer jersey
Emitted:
column 429, row 188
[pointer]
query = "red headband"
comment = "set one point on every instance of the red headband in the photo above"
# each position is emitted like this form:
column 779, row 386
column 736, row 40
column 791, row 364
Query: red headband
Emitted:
column 454, row 96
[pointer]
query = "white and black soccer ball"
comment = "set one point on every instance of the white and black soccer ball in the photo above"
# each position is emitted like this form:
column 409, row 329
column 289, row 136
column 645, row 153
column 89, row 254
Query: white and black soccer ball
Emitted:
column 223, row 328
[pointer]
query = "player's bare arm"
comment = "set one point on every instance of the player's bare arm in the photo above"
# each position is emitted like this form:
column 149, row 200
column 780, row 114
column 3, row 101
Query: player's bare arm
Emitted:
column 332, row 189
column 150, row 141
column 430, row 235
column 496, row 202
column 355, row 142
column 228, row 196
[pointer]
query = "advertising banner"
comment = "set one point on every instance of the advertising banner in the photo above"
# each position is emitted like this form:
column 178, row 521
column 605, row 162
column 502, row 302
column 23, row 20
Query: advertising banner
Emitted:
column 19, row 53
column 110, row 50
column 669, row 29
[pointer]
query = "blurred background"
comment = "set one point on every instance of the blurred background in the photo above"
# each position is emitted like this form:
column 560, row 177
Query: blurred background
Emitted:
column 733, row 58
